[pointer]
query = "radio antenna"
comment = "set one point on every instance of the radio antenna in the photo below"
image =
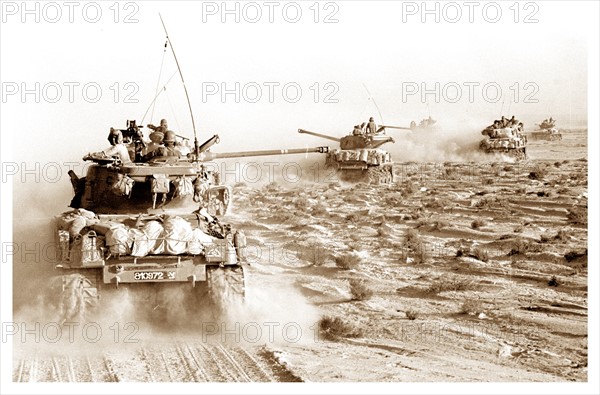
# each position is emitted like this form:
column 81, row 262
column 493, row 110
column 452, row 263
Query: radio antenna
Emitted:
column 187, row 96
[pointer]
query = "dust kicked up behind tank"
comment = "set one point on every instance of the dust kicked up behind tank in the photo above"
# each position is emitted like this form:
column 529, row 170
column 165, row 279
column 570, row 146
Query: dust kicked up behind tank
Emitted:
column 506, row 137
column 359, row 157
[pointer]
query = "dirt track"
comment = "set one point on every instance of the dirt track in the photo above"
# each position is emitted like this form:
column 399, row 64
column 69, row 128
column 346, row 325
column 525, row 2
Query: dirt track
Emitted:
column 169, row 362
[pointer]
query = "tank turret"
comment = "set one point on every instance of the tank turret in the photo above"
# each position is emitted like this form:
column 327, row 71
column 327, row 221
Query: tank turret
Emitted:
column 359, row 156
column 505, row 136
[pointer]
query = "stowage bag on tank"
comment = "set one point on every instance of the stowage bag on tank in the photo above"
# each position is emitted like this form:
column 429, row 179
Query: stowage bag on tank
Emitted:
column 154, row 231
column 117, row 240
column 178, row 232
column 141, row 246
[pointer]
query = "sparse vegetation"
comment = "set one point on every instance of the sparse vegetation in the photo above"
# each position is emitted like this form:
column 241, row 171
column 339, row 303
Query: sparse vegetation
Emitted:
column 415, row 245
column 316, row 254
column 520, row 246
column 319, row 209
column 478, row 223
column 407, row 188
column 518, row 229
column 480, row 254
column 359, row 289
column 334, row 328
column 347, row 261
column 450, row 283
column 553, row 282
column 572, row 255
column 538, row 173
column 411, row 314
column 577, row 216
column 471, row 307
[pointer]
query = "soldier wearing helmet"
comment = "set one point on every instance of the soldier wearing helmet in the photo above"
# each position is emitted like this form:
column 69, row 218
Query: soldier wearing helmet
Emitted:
column 156, row 139
column 158, row 131
column 169, row 148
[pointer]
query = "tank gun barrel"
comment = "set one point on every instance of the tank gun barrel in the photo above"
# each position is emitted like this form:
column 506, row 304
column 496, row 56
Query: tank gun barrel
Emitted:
column 319, row 135
column 393, row 127
column 244, row 154
column 209, row 143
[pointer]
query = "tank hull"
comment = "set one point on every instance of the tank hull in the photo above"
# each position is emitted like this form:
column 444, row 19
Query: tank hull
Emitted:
column 546, row 134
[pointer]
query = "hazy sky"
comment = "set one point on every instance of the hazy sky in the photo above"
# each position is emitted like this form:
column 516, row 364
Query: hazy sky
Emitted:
column 383, row 46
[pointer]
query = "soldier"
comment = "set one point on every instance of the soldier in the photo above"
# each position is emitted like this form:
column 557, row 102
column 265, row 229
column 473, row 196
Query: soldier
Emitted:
column 159, row 131
column 117, row 148
column 357, row 131
column 169, row 148
column 371, row 126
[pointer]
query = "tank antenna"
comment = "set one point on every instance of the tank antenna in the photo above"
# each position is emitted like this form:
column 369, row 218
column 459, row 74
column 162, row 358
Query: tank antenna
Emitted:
column 373, row 99
column 196, row 147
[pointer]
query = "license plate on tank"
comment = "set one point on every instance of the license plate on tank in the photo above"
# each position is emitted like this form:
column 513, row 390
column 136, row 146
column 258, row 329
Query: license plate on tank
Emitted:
column 153, row 276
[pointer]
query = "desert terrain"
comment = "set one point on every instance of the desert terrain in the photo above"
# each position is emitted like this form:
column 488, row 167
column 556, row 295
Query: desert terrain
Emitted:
column 458, row 271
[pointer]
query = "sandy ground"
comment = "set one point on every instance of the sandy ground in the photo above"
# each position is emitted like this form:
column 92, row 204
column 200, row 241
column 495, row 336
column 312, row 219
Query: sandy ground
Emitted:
column 456, row 272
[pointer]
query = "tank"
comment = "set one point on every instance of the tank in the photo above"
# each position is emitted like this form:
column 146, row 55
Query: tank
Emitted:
column 149, row 224
column 505, row 137
column 426, row 124
column 547, row 131
column 359, row 157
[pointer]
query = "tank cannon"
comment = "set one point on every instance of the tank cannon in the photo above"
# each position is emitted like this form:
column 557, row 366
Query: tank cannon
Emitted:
column 359, row 156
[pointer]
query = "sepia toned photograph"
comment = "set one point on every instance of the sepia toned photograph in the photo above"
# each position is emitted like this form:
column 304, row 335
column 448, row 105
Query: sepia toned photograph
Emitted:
column 309, row 196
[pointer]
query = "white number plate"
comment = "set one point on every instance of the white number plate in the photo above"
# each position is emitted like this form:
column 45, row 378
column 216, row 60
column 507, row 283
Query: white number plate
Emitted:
column 153, row 276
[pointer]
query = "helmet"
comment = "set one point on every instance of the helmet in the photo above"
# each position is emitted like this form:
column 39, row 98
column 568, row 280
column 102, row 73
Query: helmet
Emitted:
column 169, row 137
column 371, row 119
column 163, row 122
column 157, row 137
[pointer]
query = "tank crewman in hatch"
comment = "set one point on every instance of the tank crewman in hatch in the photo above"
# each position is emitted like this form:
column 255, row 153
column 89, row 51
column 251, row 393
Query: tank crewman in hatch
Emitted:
column 371, row 126
column 117, row 148
column 169, row 148
column 357, row 131
column 158, row 131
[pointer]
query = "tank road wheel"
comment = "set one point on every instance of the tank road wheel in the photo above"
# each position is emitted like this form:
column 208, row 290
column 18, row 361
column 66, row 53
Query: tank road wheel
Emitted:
column 226, row 288
column 75, row 298
column 353, row 176
column 518, row 154
column 379, row 175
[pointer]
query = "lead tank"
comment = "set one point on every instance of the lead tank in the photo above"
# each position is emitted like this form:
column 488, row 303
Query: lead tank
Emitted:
column 359, row 157
column 150, row 224
column 505, row 137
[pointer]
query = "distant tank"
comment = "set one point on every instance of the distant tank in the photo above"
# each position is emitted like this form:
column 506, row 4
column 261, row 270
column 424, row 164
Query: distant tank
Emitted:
column 426, row 124
column 505, row 137
column 547, row 131
column 359, row 157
